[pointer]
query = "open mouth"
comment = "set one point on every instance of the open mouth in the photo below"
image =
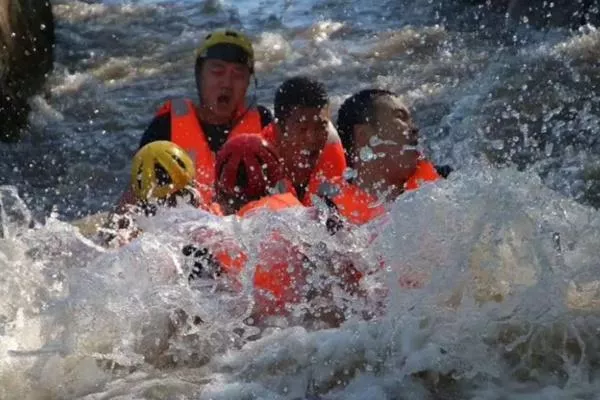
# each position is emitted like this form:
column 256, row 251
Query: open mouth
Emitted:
column 223, row 100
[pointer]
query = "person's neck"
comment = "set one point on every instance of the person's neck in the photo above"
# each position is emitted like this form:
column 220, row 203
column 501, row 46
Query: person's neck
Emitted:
column 207, row 116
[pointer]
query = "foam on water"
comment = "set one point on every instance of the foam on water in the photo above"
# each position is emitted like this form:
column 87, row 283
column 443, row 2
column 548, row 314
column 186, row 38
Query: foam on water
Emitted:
column 507, row 306
column 497, row 318
column 506, row 271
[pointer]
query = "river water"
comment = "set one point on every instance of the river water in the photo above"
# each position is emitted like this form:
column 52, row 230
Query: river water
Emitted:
column 508, row 243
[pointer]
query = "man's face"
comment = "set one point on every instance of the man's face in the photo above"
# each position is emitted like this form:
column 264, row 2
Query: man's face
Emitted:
column 223, row 87
column 388, row 142
column 303, row 136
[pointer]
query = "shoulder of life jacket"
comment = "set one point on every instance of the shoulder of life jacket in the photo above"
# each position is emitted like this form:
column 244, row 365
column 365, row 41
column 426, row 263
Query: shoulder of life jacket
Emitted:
column 248, row 118
column 358, row 206
column 351, row 202
column 187, row 132
column 425, row 172
column 275, row 202
column 269, row 133
column 330, row 165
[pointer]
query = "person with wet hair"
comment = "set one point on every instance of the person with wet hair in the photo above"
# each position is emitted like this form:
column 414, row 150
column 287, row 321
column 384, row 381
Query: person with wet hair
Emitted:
column 306, row 140
column 380, row 138
column 224, row 66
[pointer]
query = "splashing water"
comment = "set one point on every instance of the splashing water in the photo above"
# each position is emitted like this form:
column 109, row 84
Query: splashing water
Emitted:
column 505, row 270
column 503, row 308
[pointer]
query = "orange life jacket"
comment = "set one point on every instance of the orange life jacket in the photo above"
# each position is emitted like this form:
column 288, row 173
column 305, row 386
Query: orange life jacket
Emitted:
column 330, row 165
column 358, row 206
column 186, row 131
column 425, row 172
column 274, row 202
column 276, row 275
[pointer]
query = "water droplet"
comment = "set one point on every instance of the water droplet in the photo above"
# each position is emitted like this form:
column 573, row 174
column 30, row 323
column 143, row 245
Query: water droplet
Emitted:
column 376, row 141
column 366, row 154
column 350, row 173
column 498, row 144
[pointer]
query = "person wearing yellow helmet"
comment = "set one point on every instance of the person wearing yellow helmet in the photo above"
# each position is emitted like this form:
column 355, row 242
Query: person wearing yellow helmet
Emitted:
column 224, row 66
column 162, row 171
column 162, row 174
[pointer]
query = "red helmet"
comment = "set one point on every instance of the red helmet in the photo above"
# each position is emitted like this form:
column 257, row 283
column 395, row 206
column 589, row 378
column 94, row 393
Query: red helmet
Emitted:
column 247, row 166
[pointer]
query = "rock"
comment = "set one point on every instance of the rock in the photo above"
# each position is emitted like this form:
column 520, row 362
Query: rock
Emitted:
column 26, row 57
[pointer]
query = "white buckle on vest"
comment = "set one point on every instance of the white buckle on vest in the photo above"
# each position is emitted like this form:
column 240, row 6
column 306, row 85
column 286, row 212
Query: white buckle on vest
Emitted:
column 179, row 107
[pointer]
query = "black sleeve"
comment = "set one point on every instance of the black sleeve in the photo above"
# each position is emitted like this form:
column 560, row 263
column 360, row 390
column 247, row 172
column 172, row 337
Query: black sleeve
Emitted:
column 159, row 129
column 265, row 116
column 444, row 170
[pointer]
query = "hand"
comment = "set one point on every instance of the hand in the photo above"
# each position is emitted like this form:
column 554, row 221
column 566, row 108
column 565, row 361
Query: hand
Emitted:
column 205, row 265
column 444, row 170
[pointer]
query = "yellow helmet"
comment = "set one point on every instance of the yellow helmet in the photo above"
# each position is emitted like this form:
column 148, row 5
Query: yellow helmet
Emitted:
column 160, row 169
column 237, row 48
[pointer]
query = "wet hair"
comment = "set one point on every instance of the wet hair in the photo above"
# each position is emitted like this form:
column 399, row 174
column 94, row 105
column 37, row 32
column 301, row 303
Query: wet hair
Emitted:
column 357, row 109
column 299, row 92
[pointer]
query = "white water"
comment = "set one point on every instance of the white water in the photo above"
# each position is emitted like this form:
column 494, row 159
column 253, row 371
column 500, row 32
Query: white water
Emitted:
column 504, row 312
column 508, row 309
